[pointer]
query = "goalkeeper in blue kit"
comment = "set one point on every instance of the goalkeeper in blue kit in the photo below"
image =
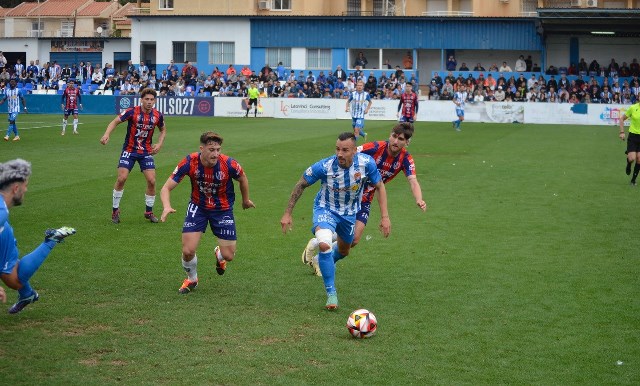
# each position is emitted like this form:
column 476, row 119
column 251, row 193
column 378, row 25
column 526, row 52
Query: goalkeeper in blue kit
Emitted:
column 14, row 272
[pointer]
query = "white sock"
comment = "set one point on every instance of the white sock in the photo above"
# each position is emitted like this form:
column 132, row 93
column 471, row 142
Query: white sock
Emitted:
column 191, row 268
column 75, row 125
column 117, row 195
column 64, row 124
column 149, row 200
column 314, row 243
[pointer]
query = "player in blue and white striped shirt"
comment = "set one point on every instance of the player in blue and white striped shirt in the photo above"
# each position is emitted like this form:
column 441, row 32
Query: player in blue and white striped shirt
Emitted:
column 343, row 178
column 359, row 102
column 459, row 97
column 13, row 95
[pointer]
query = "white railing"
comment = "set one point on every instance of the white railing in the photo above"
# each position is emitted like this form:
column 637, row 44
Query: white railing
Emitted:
column 447, row 13
column 36, row 33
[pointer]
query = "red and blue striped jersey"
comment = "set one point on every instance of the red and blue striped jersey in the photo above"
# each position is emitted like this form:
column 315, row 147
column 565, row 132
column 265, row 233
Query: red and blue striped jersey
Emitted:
column 71, row 98
column 211, row 188
column 140, row 129
column 408, row 104
column 387, row 165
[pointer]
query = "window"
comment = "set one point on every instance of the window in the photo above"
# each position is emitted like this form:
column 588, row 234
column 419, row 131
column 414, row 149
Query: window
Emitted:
column 165, row 4
column 281, row 5
column 384, row 7
column 318, row 58
column 37, row 28
column 66, row 28
column 354, row 7
column 184, row 51
column 275, row 55
column 222, row 52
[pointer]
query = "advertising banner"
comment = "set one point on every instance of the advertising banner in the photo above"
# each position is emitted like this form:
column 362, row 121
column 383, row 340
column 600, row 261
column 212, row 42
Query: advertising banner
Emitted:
column 172, row 106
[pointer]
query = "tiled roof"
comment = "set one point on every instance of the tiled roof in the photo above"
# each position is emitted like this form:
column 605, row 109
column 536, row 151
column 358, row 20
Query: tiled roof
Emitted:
column 124, row 11
column 4, row 10
column 21, row 9
column 58, row 8
column 94, row 9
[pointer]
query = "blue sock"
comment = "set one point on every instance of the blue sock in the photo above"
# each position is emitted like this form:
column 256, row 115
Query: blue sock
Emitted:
column 9, row 130
column 26, row 290
column 362, row 133
column 328, row 269
column 15, row 129
column 336, row 255
column 30, row 263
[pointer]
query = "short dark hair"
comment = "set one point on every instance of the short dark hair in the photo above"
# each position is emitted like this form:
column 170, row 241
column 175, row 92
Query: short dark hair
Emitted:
column 405, row 128
column 148, row 91
column 210, row 136
column 347, row 135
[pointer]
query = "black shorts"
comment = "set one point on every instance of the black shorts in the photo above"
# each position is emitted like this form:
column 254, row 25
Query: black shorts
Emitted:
column 253, row 102
column 633, row 143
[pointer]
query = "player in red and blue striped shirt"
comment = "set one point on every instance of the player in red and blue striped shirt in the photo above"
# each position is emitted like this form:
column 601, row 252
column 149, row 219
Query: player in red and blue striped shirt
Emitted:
column 212, row 198
column 71, row 100
column 142, row 121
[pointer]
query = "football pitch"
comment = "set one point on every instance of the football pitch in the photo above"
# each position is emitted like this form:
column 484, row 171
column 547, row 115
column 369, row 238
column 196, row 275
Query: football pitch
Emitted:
column 524, row 269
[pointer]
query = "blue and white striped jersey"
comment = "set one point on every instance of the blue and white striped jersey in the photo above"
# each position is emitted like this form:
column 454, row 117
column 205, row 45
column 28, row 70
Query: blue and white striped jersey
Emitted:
column 358, row 102
column 13, row 97
column 341, row 189
column 460, row 97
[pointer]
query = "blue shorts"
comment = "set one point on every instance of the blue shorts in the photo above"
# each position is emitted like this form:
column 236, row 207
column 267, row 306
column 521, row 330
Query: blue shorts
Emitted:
column 344, row 226
column 13, row 117
column 404, row 118
column 127, row 160
column 68, row 112
column 357, row 123
column 222, row 222
column 459, row 112
column 363, row 213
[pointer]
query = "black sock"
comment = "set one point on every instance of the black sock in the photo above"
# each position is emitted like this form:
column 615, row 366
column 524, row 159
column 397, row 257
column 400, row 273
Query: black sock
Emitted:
column 628, row 168
column 636, row 170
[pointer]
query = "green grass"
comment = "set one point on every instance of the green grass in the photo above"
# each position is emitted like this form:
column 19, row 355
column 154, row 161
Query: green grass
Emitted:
column 524, row 270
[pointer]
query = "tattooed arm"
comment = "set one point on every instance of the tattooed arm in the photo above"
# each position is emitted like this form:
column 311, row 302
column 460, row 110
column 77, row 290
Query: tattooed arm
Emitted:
column 286, row 221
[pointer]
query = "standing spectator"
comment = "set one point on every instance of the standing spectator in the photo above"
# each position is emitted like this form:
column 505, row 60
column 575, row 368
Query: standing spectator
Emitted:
column 360, row 61
column 281, row 71
column 529, row 63
column 143, row 67
column 335, row 209
column 407, row 61
column 65, row 74
column 137, row 147
column 451, row 64
column 521, row 65
column 190, row 74
column 130, row 67
column 340, row 73
column 18, row 68
column 3, row 61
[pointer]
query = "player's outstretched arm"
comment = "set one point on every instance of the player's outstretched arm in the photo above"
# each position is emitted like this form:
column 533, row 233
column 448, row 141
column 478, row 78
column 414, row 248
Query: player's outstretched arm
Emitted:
column 286, row 222
column 165, row 197
column 417, row 193
column 385, row 222
column 243, row 181
column 112, row 125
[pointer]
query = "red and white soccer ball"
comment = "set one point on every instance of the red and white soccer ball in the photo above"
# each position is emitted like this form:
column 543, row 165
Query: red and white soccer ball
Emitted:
column 362, row 323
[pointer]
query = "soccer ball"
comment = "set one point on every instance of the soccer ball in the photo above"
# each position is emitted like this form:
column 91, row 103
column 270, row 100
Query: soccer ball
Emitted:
column 362, row 324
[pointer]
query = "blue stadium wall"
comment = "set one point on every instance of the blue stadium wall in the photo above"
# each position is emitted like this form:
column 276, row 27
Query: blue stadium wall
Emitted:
column 343, row 33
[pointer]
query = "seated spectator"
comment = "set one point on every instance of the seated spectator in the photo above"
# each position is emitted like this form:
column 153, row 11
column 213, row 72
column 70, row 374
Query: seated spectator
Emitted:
column 478, row 67
column 110, row 83
column 96, row 78
column 490, row 97
column 532, row 96
column 634, row 67
column 463, row 67
column 230, row 70
column 625, row 71
column 127, row 88
column 504, row 68
column 493, row 68
column 613, row 68
column 499, row 94
column 606, row 96
column 446, row 95
column 216, row 73
column 572, row 70
column 478, row 97
column 552, row 70
column 536, row 68
column 387, row 65
column 434, row 91
column 583, row 67
column 322, row 79
column 594, row 67
column 542, row 96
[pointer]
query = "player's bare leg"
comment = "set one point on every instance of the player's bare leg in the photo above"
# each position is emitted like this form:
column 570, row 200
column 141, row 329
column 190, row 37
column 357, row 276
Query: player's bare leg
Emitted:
column 225, row 251
column 359, row 230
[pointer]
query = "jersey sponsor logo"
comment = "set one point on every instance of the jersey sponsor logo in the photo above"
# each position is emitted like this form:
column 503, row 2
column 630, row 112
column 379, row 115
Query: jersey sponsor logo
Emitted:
column 188, row 224
column 220, row 175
